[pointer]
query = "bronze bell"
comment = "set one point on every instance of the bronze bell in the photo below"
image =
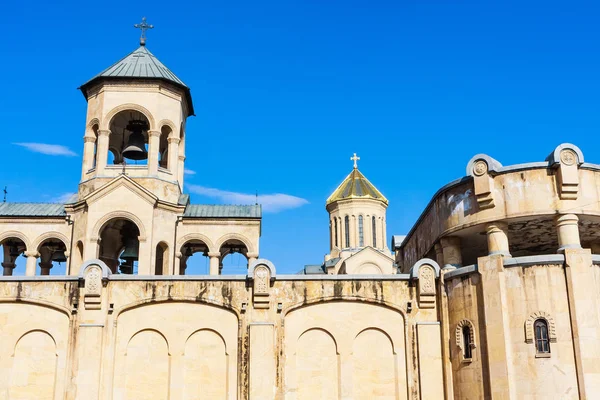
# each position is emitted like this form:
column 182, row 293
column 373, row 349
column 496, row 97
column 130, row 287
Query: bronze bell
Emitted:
column 136, row 144
column 131, row 251
column 59, row 256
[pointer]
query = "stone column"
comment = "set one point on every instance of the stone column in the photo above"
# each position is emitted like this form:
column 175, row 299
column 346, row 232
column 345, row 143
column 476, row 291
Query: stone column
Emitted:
column 497, row 239
column 8, row 268
column 214, row 263
column 439, row 254
column 568, row 232
column 251, row 258
column 102, row 151
column 180, row 170
column 89, row 142
column 30, row 267
column 173, row 155
column 451, row 251
column 153, row 147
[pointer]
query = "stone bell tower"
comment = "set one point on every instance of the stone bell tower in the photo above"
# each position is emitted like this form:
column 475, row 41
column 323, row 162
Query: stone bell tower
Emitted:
column 135, row 125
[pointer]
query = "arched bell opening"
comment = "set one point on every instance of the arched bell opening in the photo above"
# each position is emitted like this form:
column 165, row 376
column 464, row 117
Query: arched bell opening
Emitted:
column 234, row 258
column 12, row 264
column 128, row 141
column 120, row 246
column 163, row 147
column 52, row 257
column 194, row 258
column 161, row 262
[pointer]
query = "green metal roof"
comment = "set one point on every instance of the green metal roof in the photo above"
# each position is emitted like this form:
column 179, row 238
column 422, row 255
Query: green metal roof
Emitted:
column 140, row 64
column 32, row 210
column 222, row 211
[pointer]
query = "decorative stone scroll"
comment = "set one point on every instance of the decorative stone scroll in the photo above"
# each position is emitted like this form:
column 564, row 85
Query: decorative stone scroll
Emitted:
column 479, row 168
column 426, row 271
column 530, row 334
column 261, row 272
column 567, row 158
column 94, row 274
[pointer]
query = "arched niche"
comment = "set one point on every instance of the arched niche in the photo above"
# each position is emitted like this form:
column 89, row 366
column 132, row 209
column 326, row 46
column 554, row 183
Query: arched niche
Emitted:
column 12, row 248
column 194, row 258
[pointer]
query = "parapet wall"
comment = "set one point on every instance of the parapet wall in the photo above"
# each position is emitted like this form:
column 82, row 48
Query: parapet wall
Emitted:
column 257, row 336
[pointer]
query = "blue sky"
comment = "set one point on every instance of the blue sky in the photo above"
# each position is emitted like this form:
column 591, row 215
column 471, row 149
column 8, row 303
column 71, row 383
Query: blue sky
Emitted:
column 286, row 91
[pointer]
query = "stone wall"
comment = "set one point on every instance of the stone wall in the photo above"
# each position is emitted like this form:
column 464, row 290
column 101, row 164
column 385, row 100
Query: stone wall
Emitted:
column 261, row 336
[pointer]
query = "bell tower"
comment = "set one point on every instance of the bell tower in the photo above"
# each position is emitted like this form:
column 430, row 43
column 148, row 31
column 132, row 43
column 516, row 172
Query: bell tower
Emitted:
column 135, row 125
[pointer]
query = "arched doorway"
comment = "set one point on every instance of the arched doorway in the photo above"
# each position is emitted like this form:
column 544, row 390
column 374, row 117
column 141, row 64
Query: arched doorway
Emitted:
column 12, row 248
column 120, row 245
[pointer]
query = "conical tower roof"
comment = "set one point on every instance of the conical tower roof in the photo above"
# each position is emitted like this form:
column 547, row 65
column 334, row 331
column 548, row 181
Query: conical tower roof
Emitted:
column 356, row 186
column 139, row 64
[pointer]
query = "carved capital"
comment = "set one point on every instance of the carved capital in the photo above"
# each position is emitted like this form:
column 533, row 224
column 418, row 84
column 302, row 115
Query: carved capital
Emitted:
column 214, row 254
column 33, row 254
column 154, row 134
column 103, row 132
column 175, row 140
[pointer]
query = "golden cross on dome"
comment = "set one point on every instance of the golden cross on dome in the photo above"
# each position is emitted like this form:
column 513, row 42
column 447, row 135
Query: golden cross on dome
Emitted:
column 355, row 159
column 144, row 27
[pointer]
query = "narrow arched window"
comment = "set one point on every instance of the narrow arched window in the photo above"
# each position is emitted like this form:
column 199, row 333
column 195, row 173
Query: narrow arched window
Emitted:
column 336, row 231
column 542, row 343
column 347, row 228
column 374, row 229
column 466, row 336
column 361, row 239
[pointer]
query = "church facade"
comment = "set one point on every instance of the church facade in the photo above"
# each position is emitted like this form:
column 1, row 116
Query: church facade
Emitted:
column 492, row 294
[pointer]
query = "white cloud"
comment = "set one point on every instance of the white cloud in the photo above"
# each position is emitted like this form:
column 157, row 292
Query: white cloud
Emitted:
column 189, row 172
column 50, row 149
column 271, row 203
column 63, row 198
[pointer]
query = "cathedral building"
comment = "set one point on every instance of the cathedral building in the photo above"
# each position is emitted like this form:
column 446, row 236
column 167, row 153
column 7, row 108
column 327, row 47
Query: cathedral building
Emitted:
column 493, row 293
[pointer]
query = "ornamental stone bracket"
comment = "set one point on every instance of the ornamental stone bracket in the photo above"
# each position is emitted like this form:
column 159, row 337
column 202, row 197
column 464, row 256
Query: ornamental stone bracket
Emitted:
column 425, row 271
column 261, row 273
column 94, row 274
column 566, row 159
column 480, row 168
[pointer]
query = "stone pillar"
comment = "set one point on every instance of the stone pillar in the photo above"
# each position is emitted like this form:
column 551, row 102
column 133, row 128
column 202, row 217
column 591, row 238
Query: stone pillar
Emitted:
column 439, row 254
column 102, row 151
column 568, row 232
column 180, row 170
column 496, row 329
column 585, row 320
column 251, row 258
column 214, row 263
column 45, row 261
column 8, row 268
column 30, row 267
column 451, row 251
column 497, row 238
column 89, row 143
column 173, row 155
column 153, row 147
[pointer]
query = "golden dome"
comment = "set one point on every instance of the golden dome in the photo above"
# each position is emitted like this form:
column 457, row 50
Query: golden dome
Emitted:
column 356, row 186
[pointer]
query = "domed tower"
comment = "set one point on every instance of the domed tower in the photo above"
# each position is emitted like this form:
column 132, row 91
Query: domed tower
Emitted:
column 357, row 220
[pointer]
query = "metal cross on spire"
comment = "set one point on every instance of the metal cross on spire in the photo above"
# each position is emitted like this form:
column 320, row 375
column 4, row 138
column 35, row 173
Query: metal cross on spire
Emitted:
column 355, row 159
column 144, row 27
